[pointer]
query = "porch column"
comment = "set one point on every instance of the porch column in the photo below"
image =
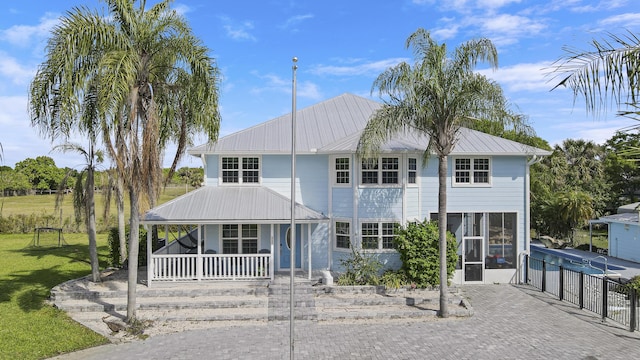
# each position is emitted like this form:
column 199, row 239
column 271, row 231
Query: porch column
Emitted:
column 149, row 255
column 271, row 265
column 199, row 256
column 309, row 248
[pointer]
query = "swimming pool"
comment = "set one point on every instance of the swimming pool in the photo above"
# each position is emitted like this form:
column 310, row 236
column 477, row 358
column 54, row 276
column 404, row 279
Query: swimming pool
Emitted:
column 593, row 265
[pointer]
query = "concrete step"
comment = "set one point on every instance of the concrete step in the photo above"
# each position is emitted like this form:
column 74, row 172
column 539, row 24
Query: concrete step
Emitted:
column 169, row 303
column 58, row 294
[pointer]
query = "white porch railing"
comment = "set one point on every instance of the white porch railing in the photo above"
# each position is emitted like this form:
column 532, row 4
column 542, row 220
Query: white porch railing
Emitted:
column 184, row 267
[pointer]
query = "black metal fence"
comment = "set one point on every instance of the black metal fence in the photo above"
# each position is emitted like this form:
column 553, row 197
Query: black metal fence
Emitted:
column 607, row 297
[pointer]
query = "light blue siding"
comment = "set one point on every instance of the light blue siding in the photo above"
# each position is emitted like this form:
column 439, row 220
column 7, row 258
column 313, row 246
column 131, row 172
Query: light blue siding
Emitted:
column 624, row 241
column 389, row 260
column 342, row 202
column 212, row 170
column 380, row 203
column 212, row 237
column 319, row 246
column 412, row 197
column 311, row 175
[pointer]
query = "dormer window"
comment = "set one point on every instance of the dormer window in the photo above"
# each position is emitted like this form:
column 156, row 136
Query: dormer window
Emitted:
column 240, row 170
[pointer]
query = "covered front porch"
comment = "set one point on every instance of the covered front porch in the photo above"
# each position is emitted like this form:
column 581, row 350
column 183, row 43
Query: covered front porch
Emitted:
column 230, row 233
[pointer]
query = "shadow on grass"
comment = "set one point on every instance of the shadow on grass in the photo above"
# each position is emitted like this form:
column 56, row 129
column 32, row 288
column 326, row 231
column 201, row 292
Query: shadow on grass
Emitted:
column 32, row 287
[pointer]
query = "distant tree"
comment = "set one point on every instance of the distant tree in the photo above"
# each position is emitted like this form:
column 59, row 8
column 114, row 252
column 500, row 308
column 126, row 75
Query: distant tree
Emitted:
column 436, row 96
column 621, row 167
column 42, row 172
column 565, row 212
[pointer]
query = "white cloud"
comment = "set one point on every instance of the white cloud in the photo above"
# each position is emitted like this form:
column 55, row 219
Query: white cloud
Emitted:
column 294, row 21
column 506, row 29
column 275, row 83
column 369, row 68
column 12, row 69
column 596, row 131
column 521, row 77
column 238, row 30
column 22, row 35
column 622, row 20
column 600, row 6
column 445, row 33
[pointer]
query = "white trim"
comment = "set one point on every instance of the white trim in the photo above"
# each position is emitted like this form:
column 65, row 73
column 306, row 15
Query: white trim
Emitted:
column 333, row 171
column 240, row 169
column 380, row 170
column 379, row 223
column 334, row 239
column 240, row 238
column 471, row 183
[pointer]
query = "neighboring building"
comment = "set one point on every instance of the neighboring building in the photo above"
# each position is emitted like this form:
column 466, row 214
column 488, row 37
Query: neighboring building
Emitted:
column 624, row 232
column 242, row 213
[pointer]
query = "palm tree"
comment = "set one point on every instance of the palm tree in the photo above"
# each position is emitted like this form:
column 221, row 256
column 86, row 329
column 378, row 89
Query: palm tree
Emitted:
column 84, row 196
column 141, row 59
column 608, row 73
column 436, row 96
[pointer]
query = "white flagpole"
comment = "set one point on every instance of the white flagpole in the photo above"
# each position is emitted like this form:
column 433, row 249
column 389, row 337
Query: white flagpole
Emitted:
column 292, row 231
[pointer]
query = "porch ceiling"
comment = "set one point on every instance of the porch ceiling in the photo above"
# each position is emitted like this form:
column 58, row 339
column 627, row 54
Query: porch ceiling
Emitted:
column 224, row 204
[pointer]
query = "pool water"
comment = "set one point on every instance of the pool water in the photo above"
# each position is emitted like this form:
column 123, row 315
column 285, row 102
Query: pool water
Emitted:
column 573, row 262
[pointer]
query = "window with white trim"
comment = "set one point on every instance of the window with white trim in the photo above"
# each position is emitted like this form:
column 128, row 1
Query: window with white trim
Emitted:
column 377, row 236
column 472, row 171
column 343, row 234
column 342, row 171
column 380, row 171
column 239, row 239
column 240, row 170
column 412, row 171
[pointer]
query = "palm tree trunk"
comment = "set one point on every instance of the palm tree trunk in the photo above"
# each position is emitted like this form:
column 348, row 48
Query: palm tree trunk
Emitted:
column 91, row 226
column 122, row 236
column 442, row 228
column 134, row 233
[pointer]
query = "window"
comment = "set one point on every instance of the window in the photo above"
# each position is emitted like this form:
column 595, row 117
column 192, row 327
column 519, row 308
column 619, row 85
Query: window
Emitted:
column 342, row 175
column 472, row 171
column 412, row 171
column 380, row 171
column 501, row 252
column 377, row 236
column 240, row 237
column 343, row 235
column 240, row 170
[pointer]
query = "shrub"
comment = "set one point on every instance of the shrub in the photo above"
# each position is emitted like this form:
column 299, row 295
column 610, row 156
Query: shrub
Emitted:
column 114, row 246
column 360, row 269
column 394, row 279
column 418, row 245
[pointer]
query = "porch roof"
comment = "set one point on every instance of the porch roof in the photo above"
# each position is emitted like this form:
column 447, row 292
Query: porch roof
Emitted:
column 224, row 205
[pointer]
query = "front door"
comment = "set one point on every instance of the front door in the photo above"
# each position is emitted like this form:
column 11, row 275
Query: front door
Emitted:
column 473, row 259
column 285, row 246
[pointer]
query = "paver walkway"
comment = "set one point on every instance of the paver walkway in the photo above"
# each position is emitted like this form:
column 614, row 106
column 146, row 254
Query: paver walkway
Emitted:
column 509, row 323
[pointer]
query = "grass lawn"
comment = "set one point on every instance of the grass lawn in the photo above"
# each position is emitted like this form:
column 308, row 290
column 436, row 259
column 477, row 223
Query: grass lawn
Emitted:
column 30, row 328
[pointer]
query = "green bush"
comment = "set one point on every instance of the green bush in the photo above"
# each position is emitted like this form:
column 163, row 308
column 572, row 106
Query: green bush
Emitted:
column 360, row 269
column 418, row 245
column 394, row 279
column 114, row 246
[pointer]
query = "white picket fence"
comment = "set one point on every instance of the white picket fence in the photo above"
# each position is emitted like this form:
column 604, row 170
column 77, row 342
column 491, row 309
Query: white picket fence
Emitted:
column 190, row 267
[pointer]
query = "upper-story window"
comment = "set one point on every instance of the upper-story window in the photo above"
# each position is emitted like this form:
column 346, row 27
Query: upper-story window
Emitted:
column 472, row 171
column 412, row 171
column 342, row 171
column 380, row 171
column 240, row 170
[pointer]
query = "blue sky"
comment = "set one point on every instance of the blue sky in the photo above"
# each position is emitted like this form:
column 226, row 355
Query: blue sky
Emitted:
column 342, row 46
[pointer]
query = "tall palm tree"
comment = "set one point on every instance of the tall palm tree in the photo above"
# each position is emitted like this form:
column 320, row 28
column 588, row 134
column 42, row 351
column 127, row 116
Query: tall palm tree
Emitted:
column 138, row 57
column 607, row 73
column 84, row 196
column 436, row 96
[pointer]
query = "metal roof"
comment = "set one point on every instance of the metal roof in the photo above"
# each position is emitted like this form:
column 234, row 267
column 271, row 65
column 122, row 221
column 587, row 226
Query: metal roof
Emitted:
column 629, row 217
column 224, row 204
column 335, row 125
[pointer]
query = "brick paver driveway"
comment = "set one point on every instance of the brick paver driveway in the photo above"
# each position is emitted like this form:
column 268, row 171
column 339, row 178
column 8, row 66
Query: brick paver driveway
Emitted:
column 509, row 323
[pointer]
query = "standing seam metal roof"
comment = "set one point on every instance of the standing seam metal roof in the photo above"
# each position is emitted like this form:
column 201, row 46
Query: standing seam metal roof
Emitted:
column 335, row 126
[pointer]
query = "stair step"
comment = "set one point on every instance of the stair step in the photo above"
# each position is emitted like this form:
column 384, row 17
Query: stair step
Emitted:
column 173, row 303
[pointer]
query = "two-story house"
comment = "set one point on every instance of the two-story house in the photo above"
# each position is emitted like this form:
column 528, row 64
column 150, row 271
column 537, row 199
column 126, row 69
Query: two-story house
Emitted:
column 239, row 219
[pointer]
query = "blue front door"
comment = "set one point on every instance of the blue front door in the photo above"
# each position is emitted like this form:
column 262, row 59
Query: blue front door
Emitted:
column 285, row 246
